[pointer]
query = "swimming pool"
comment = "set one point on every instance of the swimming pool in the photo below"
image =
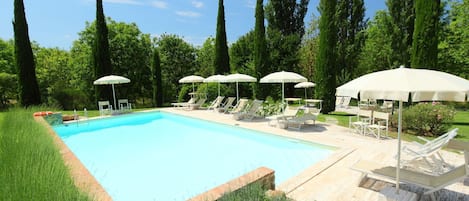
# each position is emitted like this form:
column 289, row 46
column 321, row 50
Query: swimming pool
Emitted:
column 162, row 156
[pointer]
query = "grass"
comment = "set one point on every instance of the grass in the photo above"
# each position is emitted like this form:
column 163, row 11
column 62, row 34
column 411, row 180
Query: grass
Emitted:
column 31, row 166
column 94, row 113
column 252, row 192
column 461, row 121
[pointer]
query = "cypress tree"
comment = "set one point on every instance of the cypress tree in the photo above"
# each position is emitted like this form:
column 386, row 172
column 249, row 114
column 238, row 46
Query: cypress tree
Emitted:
column 260, row 49
column 350, row 24
column 28, row 87
column 326, row 70
column 101, row 55
column 401, row 30
column 222, row 59
column 157, row 79
column 425, row 42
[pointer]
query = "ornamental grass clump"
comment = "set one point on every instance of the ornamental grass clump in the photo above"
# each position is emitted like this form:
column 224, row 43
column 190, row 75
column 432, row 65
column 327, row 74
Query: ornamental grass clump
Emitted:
column 31, row 166
column 428, row 119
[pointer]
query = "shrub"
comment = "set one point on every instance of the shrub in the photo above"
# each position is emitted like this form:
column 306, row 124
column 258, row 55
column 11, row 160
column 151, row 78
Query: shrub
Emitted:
column 431, row 119
column 69, row 99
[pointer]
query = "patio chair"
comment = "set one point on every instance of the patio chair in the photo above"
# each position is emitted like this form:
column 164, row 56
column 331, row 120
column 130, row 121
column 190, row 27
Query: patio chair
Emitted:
column 250, row 112
column 343, row 101
column 432, row 183
column 216, row 103
column 429, row 150
column 339, row 100
column 387, row 105
column 380, row 122
column 185, row 104
column 104, row 108
column 124, row 104
column 363, row 120
column 227, row 104
column 239, row 107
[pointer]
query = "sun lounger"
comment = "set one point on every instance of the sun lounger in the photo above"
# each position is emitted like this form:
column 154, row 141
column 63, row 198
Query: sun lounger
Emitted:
column 427, row 151
column 250, row 112
column 288, row 112
column 227, row 104
column 216, row 103
column 185, row 104
column 297, row 122
column 431, row 182
column 197, row 105
column 239, row 107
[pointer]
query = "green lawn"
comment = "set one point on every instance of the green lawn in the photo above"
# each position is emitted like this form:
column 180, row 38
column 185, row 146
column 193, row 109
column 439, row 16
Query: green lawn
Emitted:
column 461, row 121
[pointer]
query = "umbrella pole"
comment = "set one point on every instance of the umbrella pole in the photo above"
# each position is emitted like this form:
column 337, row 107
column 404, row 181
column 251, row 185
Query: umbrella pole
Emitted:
column 399, row 132
column 219, row 89
column 114, row 96
column 283, row 93
column 193, row 88
column 237, row 94
column 305, row 94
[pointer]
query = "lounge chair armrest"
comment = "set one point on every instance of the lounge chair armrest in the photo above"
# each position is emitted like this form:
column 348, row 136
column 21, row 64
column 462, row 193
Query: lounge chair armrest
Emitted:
column 423, row 139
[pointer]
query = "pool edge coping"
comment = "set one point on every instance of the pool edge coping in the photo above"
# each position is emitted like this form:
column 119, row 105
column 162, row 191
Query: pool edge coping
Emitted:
column 81, row 176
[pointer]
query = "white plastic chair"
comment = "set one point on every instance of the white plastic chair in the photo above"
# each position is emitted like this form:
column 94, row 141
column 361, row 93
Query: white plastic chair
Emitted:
column 104, row 108
column 124, row 104
column 379, row 123
column 363, row 120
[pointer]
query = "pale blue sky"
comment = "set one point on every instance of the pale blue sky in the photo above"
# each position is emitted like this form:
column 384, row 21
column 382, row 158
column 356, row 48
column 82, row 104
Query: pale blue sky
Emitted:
column 56, row 23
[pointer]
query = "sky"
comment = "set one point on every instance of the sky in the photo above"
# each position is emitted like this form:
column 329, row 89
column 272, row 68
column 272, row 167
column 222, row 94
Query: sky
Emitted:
column 56, row 23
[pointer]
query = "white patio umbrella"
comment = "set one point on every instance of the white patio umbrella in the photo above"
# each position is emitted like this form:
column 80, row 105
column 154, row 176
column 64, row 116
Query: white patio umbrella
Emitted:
column 191, row 79
column 283, row 77
column 403, row 83
column 305, row 85
column 239, row 78
column 112, row 80
column 217, row 79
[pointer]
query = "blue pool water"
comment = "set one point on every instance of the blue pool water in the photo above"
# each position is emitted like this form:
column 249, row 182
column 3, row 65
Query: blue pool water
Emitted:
column 162, row 156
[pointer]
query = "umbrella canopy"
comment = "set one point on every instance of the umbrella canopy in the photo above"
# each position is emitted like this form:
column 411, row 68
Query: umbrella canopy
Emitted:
column 112, row 80
column 191, row 79
column 239, row 78
column 217, row 79
column 403, row 83
column 283, row 77
column 305, row 85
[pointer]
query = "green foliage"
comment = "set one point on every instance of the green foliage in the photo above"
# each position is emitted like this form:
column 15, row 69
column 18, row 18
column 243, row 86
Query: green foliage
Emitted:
column 8, row 87
column 178, row 59
column 69, row 98
column 425, row 38
column 101, row 55
column 26, row 68
column 453, row 48
column 222, row 59
column 7, row 57
column 261, row 55
column 285, row 30
column 252, row 192
column 377, row 53
column 326, row 69
column 31, row 161
column 241, row 54
column 401, row 30
column 206, row 58
column 427, row 118
column 309, row 49
column 350, row 37
column 157, row 80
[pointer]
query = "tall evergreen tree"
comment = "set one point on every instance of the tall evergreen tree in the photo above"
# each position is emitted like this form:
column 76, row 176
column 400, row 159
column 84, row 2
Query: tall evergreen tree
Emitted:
column 28, row 88
column 261, row 55
column 350, row 24
column 326, row 70
column 222, row 59
column 401, row 29
column 425, row 41
column 101, row 55
column 285, row 31
column 157, row 80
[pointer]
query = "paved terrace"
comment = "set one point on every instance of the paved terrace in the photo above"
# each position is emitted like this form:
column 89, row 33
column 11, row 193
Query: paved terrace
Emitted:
column 332, row 178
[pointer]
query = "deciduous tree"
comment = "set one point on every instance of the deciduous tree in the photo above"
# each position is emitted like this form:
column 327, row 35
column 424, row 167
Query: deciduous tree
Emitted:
column 425, row 38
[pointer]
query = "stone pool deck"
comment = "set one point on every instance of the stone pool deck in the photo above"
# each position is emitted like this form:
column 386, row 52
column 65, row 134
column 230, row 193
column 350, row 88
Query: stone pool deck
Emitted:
column 332, row 178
